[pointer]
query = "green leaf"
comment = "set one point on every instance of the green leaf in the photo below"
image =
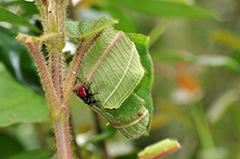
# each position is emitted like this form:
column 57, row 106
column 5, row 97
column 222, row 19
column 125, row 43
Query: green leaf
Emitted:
column 169, row 56
column 7, row 16
column 220, row 106
column 18, row 103
column 126, row 21
column 132, row 104
column 226, row 38
column 113, row 67
column 107, row 133
column 166, row 8
column 17, row 60
column 159, row 149
column 34, row 154
column 85, row 29
column 217, row 60
column 137, row 108
column 28, row 9
column 132, row 118
column 9, row 145
column 144, row 88
column 203, row 60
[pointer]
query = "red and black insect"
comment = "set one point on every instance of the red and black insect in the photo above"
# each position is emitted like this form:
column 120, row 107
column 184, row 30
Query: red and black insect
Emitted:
column 84, row 92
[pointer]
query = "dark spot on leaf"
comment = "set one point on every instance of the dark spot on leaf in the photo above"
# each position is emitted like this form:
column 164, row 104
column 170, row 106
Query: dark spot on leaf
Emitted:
column 139, row 115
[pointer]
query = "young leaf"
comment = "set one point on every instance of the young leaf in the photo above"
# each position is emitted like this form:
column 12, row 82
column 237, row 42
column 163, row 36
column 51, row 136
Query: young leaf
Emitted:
column 126, row 21
column 85, row 29
column 159, row 149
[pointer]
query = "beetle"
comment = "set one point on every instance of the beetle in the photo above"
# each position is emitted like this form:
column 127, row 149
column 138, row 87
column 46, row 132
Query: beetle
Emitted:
column 84, row 92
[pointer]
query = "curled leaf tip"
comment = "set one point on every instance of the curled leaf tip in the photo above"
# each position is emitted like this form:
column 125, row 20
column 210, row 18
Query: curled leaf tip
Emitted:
column 159, row 149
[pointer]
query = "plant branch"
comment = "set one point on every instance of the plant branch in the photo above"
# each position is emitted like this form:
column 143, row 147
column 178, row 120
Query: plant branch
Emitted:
column 33, row 45
column 72, row 72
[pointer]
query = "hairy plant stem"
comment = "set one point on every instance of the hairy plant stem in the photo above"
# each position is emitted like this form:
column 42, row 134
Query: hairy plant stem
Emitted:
column 72, row 72
column 61, row 129
column 53, row 14
column 59, row 112
column 33, row 45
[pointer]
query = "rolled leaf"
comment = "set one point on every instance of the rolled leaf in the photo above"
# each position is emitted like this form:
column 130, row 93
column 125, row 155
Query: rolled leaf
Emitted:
column 113, row 66
column 133, row 125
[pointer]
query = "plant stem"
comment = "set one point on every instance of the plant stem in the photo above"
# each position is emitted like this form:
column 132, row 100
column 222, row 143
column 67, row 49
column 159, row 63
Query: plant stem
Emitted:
column 72, row 72
column 61, row 129
column 53, row 13
column 41, row 135
column 78, row 151
column 158, row 30
column 59, row 113
column 99, row 131
column 72, row 11
column 33, row 45
column 203, row 130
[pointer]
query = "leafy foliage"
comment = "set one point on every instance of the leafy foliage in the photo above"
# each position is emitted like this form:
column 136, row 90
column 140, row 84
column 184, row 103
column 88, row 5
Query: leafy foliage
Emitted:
column 167, row 8
column 18, row 103
column 12, row 18
column 206, row 62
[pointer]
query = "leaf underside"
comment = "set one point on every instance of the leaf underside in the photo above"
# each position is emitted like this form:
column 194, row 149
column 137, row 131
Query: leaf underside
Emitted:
column 115, row 66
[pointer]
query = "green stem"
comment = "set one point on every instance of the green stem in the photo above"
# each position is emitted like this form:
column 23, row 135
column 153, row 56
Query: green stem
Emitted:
column 99, row 131
column 158, row 30
column 203, row 129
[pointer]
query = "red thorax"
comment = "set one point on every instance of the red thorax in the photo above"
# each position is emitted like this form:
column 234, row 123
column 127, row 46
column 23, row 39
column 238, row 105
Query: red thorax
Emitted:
column 82, row 92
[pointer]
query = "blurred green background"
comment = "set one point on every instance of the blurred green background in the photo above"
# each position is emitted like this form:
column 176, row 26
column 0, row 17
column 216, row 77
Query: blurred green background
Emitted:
column 195, row 47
